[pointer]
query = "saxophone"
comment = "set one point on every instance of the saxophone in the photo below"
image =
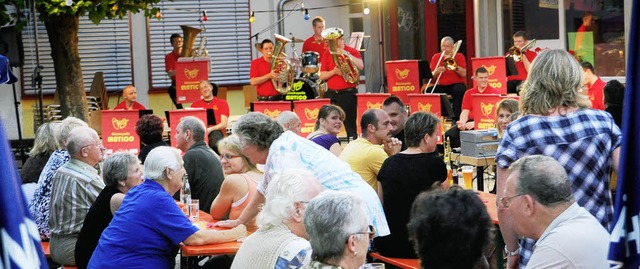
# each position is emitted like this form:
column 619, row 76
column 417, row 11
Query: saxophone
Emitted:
column 349, row 70
column 282, row 66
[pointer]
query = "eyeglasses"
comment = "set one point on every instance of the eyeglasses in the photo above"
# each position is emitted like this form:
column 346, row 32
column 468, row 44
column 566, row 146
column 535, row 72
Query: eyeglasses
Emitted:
column 98, row 145
column 505, row 200
column 228, row 156
column 371, row 232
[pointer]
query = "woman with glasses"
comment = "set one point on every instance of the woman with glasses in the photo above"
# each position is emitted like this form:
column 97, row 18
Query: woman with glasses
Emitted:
column 240, row 182
column 338, row 230
column 149, row 226
column 328, row 126
column 120, row 172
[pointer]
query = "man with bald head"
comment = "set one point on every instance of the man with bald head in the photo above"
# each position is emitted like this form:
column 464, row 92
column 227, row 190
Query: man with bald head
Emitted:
column 539, row 199
column 76, row 186
column 366, row 154
column 129, row 94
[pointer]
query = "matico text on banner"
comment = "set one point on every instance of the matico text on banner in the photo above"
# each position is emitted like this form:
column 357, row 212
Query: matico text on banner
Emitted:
column 308, row 111
column 119, row 131
column 176, row 115
column 271, row 108
column 403, row 78
column 188, row 76
column 427, row 103
column 368, row 101
column 484, row 110
column 497, row 71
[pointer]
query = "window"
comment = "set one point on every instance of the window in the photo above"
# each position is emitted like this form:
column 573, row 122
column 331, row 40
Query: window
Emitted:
column 227, row 32
column 105, row 47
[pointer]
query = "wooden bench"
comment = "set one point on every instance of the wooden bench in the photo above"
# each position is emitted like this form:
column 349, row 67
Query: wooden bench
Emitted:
column 400, row 262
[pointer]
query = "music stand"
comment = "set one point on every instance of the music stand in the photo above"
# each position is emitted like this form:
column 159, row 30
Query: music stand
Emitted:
column 425, row 70
column 447, row 110
column 510, row 64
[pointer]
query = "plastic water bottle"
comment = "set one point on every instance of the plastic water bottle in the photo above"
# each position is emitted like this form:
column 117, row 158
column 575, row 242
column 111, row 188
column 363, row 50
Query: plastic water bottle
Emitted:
column 185, row 192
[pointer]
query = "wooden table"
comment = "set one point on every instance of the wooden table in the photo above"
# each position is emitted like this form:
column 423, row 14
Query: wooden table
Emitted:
column 479, row 162
column 190, row 254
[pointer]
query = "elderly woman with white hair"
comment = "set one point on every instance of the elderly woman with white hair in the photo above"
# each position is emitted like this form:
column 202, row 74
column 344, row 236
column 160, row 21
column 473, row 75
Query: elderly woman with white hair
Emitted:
column 149, row 225
column 281, row 240
column 338, row 231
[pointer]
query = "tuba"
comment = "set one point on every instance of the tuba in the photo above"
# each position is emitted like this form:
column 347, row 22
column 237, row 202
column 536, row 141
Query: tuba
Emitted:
column 350, row 72
column 282, row 66
column 516, row 52
column 189, row 38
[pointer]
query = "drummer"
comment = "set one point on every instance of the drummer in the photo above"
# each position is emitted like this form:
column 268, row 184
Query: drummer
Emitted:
column 316, row 42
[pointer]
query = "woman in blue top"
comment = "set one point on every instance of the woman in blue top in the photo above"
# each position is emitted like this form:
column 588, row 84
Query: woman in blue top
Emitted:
column 328, row 126
column 149, row 226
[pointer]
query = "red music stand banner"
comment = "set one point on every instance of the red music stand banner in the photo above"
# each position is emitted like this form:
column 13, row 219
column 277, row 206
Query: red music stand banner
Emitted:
column 176, row 115
column 427, row 103
column 497, row 71
column 308, row 111
column 368, row 101
column 188, row 77
column 271, row 108
column 484, row 110
column 403, row 78
column 119, row 131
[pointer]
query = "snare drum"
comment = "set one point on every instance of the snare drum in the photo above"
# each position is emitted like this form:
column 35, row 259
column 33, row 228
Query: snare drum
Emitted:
column 310, row 62
column 302, row 89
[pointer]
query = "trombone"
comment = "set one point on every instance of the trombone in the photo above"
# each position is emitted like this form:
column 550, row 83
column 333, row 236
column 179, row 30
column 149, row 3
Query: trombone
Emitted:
column 516, row 53
column 449, row 63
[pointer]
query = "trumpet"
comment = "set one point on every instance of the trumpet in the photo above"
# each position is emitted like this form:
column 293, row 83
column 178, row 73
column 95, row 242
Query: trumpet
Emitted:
column 449, row 63
column 516, row 53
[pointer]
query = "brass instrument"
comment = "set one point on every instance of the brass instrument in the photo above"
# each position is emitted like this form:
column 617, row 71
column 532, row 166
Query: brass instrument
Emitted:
column 516, row 53
column 449, row 63
column 350, row 71
column 282, row 66
column 189, row 35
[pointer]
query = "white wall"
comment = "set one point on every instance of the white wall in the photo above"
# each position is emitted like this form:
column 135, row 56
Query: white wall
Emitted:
column 7, row 108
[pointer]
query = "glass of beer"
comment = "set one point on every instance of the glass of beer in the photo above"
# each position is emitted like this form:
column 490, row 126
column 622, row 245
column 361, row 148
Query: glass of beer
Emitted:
column 467, row 175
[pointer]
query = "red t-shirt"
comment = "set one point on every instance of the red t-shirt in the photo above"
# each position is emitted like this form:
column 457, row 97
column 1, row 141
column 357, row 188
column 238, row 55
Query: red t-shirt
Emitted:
column 135, row 106
column 220, row 107
column 260, row 67
column 467, row 100
column 449, row 77
column 336, row 82
column 312, row 45
column 522, row 72
column 170, row 63
column 596, row 94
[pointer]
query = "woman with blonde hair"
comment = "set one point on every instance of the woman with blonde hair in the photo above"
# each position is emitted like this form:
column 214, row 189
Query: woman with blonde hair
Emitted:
column 505, row 109
column 240, row 182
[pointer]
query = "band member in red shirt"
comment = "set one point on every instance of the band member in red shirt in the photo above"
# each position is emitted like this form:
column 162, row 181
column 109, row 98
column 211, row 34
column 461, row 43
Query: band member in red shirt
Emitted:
column 170, row 66
column 316, row 42
column 261, row 75
column 513, row 81
column 595, row 86
column 451, row 81
column 129, row 94
column 220, row 107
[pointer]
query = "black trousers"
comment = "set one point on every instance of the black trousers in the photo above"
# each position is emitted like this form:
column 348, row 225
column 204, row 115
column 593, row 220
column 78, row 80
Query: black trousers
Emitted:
column 346, row 99
column 453, row 134
column 457, row 92
column 172, row 94
column 512, row 86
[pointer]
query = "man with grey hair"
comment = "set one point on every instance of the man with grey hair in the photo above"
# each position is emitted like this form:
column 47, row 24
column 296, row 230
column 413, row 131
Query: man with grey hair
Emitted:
column 39, row 205
column 289, row 121
column 76, row 186
column 538, row 196
column 203, row 166
column 450, row 81
column 281, row 240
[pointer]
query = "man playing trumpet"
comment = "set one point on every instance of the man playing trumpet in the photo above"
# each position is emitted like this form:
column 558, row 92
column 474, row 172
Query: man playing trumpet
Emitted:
column 451, row 81
column 260, row 74
column 513, row 81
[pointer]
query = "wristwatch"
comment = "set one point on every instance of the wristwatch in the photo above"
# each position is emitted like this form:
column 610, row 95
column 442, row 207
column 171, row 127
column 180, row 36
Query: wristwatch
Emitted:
column 511, row 253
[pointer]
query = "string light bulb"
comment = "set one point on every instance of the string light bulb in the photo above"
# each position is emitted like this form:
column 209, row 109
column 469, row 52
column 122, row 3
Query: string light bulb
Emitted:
column 366, row 10
column 432, row 1
column 158, row 14
column 252, row 18
column 306, row 14
column 204, row 16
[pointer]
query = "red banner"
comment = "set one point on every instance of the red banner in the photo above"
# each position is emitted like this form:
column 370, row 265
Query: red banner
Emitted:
column 119, row 131
column 484, row 110
column 271, row 108
column 308, row 111
column 427, row 103
column 368, row 101
column 497, row 71
column 403, row 78
column 188, row 77
column 176, row 115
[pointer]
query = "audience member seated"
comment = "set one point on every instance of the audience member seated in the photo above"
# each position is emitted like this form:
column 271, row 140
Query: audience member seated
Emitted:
column 149, row 225
column 130, row 95
column 240, row 182
column 203, row 166
column 405, row 175
column 289, row 121
column 281, row 240
column 614, row 99
column 328, row 126
column 43, row 146
column 466, row 116
column 366, row 154
column 220, row 107
column 398, row 115
column 504, row 110
column 538, row 196
column 263, row 139
column 149, row 128
column 76, row 186
column 449, row 229
column 338, row 231
column 39, row 206
column 120, row 172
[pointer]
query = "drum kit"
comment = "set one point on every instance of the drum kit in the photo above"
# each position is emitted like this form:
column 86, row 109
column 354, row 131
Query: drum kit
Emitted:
column 307, row 85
